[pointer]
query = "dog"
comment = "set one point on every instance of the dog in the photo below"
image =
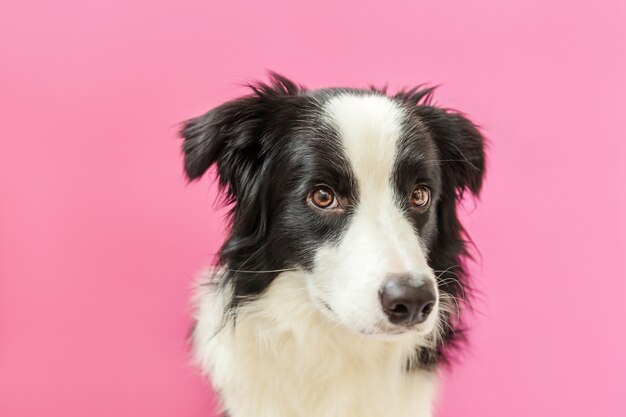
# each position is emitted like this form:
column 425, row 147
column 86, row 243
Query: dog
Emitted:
column 337, row 290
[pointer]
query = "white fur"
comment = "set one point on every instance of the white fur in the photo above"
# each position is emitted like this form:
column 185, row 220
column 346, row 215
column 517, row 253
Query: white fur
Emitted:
column 283, row 358
column 287, row 354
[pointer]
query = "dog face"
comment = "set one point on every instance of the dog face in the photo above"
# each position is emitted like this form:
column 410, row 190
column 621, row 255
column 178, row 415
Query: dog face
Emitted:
column 375, row 277
column 355, row 188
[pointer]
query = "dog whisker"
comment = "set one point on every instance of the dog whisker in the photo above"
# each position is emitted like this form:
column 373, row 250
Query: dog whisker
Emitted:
column 269, row 271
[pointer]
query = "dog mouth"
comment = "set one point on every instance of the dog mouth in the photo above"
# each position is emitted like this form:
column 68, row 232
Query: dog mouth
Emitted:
column 381, row 330
column 326, row 306
column 386, row 330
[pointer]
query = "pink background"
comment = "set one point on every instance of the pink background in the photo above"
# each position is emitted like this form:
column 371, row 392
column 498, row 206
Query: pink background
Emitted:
column 100, row 236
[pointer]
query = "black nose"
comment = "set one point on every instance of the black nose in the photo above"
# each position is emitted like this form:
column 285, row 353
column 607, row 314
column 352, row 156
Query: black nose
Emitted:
column 407, row 303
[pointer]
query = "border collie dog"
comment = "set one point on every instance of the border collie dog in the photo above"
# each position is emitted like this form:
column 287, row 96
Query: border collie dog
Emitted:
column 337, row 290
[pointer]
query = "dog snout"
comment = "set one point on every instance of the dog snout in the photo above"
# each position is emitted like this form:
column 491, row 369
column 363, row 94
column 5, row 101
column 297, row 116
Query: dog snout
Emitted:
column 406, row 302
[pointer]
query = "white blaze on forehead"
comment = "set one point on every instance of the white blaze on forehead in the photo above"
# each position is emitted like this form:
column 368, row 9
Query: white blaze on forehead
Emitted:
column 369, row 127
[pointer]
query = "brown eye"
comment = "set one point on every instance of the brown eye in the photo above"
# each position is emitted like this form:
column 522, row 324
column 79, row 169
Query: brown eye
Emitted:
column 420, row 197
column 322, row 198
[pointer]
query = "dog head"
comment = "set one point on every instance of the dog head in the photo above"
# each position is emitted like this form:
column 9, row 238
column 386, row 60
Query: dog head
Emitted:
column 355, row 188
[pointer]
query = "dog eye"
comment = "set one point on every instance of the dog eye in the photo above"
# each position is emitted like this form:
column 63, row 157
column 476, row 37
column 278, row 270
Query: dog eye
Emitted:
column 420, row 197
column 322, row 198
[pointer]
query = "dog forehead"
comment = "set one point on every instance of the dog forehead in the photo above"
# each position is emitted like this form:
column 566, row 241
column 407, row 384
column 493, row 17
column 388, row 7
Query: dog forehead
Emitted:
column 369, row 127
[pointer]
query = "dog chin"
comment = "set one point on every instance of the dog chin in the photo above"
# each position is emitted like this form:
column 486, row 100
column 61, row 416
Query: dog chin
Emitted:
column 390, row 332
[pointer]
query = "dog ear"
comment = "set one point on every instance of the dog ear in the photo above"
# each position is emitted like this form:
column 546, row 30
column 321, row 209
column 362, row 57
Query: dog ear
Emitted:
column 461, row 148
column 228, row 136
column 232, row 135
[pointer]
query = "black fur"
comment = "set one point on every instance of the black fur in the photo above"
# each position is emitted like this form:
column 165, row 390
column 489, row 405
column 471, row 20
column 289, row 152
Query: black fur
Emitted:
column 271, row 148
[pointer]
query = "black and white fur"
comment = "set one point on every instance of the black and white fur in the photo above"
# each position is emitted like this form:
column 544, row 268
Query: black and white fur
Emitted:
column 290, row 322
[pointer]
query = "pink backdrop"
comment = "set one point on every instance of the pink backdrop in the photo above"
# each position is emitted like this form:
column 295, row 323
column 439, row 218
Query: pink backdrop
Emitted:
column 100, row 236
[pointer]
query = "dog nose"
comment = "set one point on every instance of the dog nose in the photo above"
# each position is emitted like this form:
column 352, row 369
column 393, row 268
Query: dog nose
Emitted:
column 407, row 303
